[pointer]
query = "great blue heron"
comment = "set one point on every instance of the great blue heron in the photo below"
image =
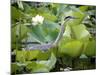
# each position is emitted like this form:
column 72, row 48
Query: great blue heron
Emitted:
column 55, row 43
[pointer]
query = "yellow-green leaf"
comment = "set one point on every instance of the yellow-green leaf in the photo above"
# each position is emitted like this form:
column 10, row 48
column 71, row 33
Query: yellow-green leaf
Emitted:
column 72, row 48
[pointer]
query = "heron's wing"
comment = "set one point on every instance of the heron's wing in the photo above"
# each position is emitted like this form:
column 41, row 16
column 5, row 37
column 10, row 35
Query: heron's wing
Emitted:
column 40, row 47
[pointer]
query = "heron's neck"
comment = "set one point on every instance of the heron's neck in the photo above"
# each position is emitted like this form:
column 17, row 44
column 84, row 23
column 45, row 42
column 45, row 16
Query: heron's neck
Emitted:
column 60, row 35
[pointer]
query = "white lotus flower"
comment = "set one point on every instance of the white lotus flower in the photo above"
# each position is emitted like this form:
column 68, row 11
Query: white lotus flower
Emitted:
column 37, row 20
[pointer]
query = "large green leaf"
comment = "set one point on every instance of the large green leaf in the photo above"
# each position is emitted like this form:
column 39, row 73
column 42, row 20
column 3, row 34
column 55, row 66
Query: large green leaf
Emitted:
column 41, row 11
column 50, row 62
column 23, row 56
column 42, row 66
column 49, row 16
column 80, row 32
column 83, row 8
column 43, row 55
column 67, row 32
column 72, row 48
column 51, row 25
column 33, row 54
column 17, row 67
column 16, row 14
column 35, row 67
column 46, row 32
column 51, row 30
column 38, row 34
column 90, row 49
column 18, row 33
column 58, row 9
column 14, row 68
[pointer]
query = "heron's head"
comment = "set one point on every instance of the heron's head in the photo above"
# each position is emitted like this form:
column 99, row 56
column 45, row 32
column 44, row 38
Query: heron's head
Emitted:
column 69, row 18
